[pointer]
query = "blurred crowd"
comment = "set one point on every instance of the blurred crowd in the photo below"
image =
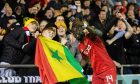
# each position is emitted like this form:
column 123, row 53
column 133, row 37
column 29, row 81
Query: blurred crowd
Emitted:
column 121, row 38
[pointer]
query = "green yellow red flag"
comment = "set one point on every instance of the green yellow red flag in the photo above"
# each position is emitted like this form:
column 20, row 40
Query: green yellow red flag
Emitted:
column 56, row 63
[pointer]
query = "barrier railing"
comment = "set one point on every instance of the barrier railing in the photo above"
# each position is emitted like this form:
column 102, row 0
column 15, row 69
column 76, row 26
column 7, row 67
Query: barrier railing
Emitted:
column 128, row 79
column 121, row 79
column 128, row 65
column 17, row 66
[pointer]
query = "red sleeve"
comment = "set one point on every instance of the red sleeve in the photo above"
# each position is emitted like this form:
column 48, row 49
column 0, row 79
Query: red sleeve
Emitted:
column 81, row 48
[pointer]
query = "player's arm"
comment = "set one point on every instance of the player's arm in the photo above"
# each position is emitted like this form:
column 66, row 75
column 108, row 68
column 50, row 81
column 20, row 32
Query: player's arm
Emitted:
column 93, row 30
column 84, row 60
column 117, row 64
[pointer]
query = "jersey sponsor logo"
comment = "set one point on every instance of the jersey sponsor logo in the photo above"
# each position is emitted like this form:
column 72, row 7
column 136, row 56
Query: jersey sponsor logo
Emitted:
column 86, row 51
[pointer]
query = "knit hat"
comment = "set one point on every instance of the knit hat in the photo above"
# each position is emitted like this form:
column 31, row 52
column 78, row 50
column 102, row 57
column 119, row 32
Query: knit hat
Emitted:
column 28, row 20
column 61, row 23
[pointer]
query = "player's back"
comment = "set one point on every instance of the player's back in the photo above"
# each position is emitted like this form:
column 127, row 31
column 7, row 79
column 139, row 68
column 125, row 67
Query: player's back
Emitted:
column 95, row 50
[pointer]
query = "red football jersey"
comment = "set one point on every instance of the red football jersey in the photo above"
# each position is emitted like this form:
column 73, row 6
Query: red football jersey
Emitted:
column 99, row 58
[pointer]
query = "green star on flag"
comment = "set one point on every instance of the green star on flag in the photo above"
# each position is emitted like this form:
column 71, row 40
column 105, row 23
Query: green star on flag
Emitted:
column 55, row 55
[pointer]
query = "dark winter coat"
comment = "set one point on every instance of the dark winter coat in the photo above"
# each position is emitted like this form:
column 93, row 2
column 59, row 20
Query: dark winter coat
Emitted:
column 14, row 54
column 12, row 48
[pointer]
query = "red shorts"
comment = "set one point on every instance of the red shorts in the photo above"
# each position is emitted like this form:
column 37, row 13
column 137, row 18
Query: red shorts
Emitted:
column 108, row 77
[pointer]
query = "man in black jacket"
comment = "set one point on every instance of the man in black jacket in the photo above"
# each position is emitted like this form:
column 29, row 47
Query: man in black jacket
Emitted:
column 17, row 44
column 103, row 23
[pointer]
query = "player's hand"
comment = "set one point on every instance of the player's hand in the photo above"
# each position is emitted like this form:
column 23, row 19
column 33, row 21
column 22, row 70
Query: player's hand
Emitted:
column 86, row 32
column 117, row 64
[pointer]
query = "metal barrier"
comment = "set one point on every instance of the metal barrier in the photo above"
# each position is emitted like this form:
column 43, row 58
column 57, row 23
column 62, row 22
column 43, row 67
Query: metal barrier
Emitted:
column 121, row 79
column 17, row 66
column 128, row 65
column 128, row 79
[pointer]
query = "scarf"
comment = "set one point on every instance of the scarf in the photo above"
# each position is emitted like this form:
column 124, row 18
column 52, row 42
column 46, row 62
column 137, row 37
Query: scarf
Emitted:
column 27, row 33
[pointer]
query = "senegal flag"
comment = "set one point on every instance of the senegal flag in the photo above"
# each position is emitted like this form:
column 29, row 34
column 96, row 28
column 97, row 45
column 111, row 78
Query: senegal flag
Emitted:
column 56, row 63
